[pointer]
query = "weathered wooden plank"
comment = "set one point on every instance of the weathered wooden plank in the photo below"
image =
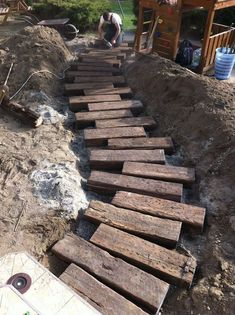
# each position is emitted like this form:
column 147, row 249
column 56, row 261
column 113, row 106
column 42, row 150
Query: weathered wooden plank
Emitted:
column 88, row 118
column 124, row 91
column 114, row 50
column 169, row 173
column 88, row 74
column 113, row 62
column 102, row 56
column 147, row 122
column 77, row 88
column 84, row 67
column 97, row 137
column 134, row 105
column 114, row 159
column 132, row 282
column 101, row 297
column 188, row 214
column 141, row 143
column 173, row 267
column 89, row 85
column 117, row 79
column 144, row 186
column 77, row 103
column 163, row 231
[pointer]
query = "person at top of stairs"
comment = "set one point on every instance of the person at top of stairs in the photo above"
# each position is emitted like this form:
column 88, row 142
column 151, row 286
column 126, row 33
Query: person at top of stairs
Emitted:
column 113, row 28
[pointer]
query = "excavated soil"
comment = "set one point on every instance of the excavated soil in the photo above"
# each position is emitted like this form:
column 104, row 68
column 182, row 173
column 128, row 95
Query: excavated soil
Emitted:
column 39, row 168
column 199, row 114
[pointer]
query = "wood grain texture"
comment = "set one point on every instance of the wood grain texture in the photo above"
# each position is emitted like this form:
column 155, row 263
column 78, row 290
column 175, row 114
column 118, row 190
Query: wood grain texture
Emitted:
column 101, row 297
column 163, row 231
column 171, row 266
column 146, row 122
column 169, row 173
column 111, row 79
column 142, row 143
column 114, row 159
column 156, row 188
column 135, row 105
column 77, row 103
column 124, row 278
column 125, row 91
column 188, row 214
column 88, row 118
column 100, row 136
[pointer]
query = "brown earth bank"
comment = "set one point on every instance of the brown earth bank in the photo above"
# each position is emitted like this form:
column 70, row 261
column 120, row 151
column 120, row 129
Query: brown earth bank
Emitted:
column 199, row 114
column 39, row 168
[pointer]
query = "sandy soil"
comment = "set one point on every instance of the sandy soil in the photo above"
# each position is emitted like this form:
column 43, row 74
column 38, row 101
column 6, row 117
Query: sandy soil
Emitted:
column 197, row 112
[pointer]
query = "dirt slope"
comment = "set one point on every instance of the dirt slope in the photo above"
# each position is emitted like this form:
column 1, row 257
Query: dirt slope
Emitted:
column 199, row 113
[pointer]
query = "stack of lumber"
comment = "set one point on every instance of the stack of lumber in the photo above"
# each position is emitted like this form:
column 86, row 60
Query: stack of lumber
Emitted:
column 131, row 260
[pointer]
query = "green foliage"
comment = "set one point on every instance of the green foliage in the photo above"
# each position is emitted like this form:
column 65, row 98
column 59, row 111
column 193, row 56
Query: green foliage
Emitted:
column 84, row 14
column 127, row 7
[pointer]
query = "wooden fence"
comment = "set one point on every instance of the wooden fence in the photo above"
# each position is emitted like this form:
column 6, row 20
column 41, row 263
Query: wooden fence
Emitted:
column 223, row 36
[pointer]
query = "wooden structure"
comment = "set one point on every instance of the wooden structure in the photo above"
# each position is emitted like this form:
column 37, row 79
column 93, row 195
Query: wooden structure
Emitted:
column 8, row 7
column 161, row 24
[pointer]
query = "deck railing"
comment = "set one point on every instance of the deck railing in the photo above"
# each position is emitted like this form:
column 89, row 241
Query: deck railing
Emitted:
column 223, row 37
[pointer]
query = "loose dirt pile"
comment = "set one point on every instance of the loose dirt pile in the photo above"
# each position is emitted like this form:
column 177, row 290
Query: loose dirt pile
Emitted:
column 40, row 185
column 199, row 114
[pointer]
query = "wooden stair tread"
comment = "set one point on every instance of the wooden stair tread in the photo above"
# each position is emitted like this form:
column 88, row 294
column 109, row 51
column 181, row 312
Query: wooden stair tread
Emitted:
column 101, row 297
column 128, row 280
column 147, row 122
column 173, row 267
column 77, row 103
column 88, row 74
column 134, row 105
column 151, row 187
column 142, row 143
column 101, row 136
column 97, row 91
column 170, row 173
column 188, row 214
column 93, row 67
column 88, row 118
column 88, row 85
column 163, row 231
column 111, row 79
column 114, row 159
column 102, row 56
column 90, row 61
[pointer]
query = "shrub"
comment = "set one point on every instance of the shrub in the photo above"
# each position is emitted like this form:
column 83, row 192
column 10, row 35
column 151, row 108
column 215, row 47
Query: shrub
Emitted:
column 84, row 14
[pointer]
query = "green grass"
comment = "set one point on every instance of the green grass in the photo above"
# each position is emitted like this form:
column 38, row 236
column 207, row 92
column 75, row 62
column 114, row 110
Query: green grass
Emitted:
column 127, row 7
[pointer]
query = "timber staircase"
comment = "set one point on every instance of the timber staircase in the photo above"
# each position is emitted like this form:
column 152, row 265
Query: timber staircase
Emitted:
column 130, row 261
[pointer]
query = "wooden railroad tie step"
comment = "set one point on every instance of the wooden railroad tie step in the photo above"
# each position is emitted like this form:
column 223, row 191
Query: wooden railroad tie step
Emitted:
column 99, row 137
column 114, row 159
column 78, row 88
column 102, row 63
column 101, row 297
column 110, row 51
column 91, row 68
column 188, row 214
column 142, row 143
column 88, row 118
column 124, row 278
column 169, row 173
column 117, row 79
column 77, row 103
column 124, row 91
column 173, row 267
column 110, row 183
column 134, row 105
column 146, row 122
column 102, row 56
column 163, row 231
column 88, row 74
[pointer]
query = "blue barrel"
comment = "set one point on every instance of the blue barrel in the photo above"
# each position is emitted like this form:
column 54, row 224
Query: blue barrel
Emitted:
column 224, row 62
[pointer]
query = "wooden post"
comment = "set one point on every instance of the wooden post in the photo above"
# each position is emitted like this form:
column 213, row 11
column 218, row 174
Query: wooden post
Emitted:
column 139, row 30
column 177, row 36
column 207, row 33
